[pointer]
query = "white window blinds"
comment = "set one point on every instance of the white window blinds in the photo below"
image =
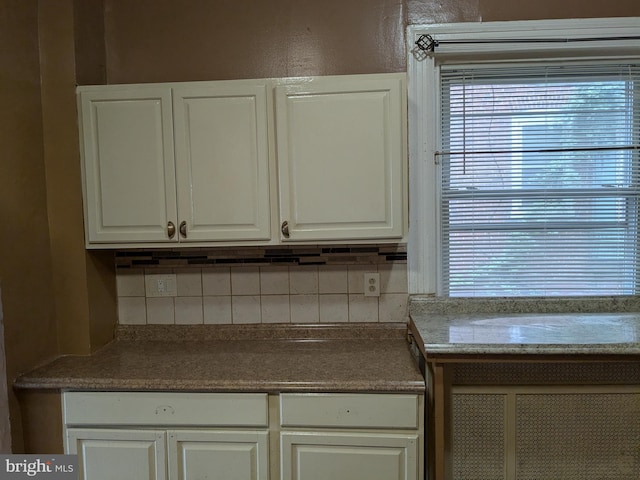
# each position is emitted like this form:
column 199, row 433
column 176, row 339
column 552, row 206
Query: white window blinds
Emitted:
column 539, row 179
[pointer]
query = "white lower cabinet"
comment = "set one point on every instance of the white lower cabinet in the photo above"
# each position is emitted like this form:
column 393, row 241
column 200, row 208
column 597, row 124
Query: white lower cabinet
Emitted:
column 351, row 437
column 349, row 456
column 174, row 436
column 117, row 454
column 195, row 436
column 222, row 455
column 106, row 454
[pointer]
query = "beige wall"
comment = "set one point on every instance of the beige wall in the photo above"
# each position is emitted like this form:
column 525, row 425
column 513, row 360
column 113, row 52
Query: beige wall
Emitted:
column 169, row 40
column 82, row 299
column 25, row 263
column 199, row 39
column 89, row 42
column 444, row 11
column 59, row 299
column 56, row 297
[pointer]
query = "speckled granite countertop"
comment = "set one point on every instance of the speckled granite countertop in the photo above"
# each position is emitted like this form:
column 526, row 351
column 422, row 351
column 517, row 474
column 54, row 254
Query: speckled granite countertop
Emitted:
column 537, row 326
column 252, row 358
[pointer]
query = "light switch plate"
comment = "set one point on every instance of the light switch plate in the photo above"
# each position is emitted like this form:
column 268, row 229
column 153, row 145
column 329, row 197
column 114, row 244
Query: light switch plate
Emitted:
column 164, row 285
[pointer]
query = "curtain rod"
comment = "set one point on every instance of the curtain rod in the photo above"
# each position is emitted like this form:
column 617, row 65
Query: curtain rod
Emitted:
column 427, row 43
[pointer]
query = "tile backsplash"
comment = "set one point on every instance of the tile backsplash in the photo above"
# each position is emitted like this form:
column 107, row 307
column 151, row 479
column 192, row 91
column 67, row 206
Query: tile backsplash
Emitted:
column 296, row 285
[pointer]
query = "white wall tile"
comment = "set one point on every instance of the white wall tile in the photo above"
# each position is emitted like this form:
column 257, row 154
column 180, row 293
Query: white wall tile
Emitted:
column 332, row 279
column 160, row 311
column 217, row 310
column 274, row 280
column 356, row 277
column 132, row 311
column 363, row 309
column 245, row 309
column 216, row 281
column 392, row 307
column 189, row 282
column 130, row 282
column 334, row 308
column 245, row 281
column 188, row 310
column 303, row 280
column 270, row 294
column 275, row 309
column 393, row 278
column 304, row 309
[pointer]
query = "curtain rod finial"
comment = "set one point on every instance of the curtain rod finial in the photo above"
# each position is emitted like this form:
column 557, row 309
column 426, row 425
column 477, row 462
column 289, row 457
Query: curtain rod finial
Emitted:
column 426, row 43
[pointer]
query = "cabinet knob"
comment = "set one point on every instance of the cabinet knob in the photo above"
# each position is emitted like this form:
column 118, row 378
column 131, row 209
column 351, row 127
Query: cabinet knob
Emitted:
column 171, row 229
column 285, row 229
column 183, row 229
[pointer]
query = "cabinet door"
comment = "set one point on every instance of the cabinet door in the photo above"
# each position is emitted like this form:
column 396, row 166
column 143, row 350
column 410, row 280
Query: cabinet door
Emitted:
column 349, row 456
column 218, row 455
column 128, row 163
column 222, row 155
column 342, row 157
column 118, row 454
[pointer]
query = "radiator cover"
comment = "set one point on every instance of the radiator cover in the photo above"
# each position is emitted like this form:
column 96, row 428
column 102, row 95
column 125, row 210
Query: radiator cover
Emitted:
column 545, row 433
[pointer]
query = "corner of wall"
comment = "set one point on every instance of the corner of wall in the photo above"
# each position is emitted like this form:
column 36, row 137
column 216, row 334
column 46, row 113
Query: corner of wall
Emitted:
column 101, row 283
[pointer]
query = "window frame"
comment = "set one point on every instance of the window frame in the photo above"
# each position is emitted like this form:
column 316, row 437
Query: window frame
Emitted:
column 600, row 39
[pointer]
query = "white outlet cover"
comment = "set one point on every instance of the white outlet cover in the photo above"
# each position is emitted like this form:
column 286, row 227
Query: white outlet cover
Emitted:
column 164, row 285
column 372, row 284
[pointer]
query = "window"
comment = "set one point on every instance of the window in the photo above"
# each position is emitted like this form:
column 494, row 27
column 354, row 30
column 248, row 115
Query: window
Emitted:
column 530, row 152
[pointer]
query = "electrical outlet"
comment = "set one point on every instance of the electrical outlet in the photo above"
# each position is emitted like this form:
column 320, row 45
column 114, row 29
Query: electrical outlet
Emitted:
column 161, row 285
column 372, row 284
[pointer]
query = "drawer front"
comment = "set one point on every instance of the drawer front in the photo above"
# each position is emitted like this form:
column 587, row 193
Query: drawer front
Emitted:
column 155, row 408
column 349, row 410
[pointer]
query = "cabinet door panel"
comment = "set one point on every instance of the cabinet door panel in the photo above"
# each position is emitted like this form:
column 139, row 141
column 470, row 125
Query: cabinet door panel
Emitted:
column 349, row 456
column 129, row 172
column 341, row 158
column 222, row 455
column 118, row 454
column 222, row 153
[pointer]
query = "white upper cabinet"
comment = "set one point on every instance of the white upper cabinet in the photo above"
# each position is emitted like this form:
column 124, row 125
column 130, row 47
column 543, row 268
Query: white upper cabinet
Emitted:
column 217, row 189
column 245, row 162
column 129, row 170
column 222, row 161
column 341, row 158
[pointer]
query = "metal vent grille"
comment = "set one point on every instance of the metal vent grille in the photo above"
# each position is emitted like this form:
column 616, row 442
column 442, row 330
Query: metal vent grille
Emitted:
column 618, row 373
column 545, row 433
column 578, row 436
column 479, row 425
